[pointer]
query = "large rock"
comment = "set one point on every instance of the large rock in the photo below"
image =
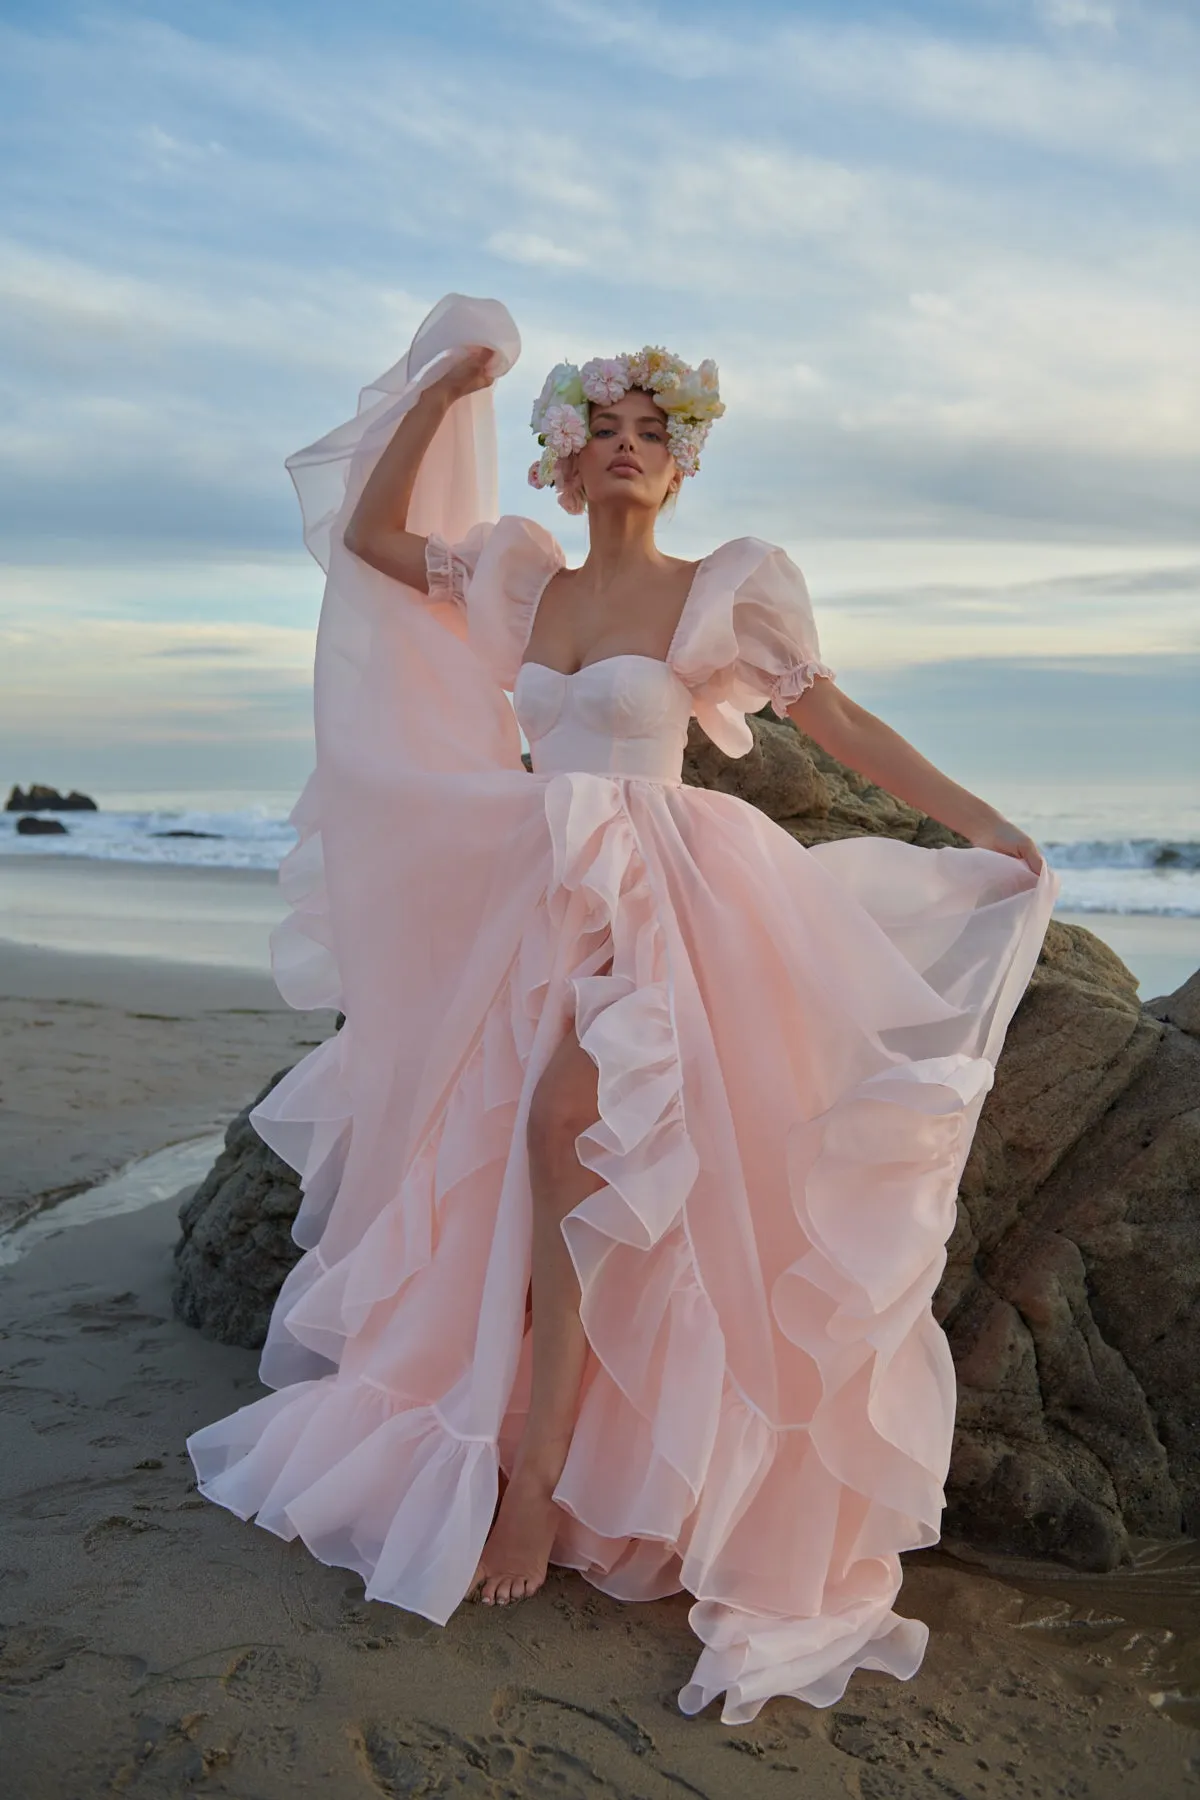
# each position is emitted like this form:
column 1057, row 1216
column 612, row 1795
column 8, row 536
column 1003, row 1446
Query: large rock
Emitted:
column 1071, row 1295
column 236, row 1244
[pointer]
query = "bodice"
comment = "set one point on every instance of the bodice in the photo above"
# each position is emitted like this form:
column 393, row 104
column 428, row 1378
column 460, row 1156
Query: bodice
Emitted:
column 623, row 715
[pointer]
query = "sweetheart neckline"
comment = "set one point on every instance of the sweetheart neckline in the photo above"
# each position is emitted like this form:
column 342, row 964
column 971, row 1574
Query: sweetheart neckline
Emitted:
column 620, row 656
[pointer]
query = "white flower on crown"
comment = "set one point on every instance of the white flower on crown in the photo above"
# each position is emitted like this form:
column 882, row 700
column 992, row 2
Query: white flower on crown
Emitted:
column 690, row 398
column 562, row 385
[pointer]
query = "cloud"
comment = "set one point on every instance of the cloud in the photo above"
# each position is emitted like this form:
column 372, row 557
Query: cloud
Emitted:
column 214, row 240
column 537, row 252
column 1070, row 15
column 1120, row 721
column 1134, row 108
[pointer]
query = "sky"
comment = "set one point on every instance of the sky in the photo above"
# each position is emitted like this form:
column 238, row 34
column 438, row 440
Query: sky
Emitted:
column 947, row 258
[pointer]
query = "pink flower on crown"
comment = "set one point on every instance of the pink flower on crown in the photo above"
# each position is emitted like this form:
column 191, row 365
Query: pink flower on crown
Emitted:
column 605, row 379
column 564, row 429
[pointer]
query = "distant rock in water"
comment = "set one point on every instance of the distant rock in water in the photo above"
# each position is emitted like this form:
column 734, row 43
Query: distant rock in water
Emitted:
column 47, row 799
column 182, row 833
column 29, row 826
column 1069, row 1296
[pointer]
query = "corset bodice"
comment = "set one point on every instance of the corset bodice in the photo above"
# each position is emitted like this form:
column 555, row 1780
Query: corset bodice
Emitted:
column 623, row 715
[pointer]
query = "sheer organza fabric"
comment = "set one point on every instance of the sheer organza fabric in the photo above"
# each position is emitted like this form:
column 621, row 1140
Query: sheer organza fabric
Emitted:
column 792, row 1048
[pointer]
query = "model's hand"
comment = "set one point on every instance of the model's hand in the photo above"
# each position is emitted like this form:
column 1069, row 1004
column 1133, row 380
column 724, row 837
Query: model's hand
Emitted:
column 471, row 372
column 1000, row 834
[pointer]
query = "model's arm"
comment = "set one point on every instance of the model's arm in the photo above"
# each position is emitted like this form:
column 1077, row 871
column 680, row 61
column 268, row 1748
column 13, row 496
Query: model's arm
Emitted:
column 862, row 741
column 376, row 531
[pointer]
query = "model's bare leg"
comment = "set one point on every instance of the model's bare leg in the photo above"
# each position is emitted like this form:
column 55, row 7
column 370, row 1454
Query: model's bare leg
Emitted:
column 563, row 1104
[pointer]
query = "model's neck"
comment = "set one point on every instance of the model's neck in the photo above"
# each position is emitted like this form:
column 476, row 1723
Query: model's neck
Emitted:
column 620, row 540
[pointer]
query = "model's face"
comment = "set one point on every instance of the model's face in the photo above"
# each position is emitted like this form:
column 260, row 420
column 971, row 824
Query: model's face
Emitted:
column 626, row 460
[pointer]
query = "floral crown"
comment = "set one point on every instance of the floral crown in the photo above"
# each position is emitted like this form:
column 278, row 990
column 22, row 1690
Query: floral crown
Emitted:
column 688, row 396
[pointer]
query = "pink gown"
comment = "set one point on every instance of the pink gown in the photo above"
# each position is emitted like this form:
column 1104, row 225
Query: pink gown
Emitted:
column 792, row 1049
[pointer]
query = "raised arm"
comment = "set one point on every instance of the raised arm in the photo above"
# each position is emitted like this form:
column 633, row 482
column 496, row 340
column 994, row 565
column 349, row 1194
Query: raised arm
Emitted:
column 864, row 742
column 376, row 532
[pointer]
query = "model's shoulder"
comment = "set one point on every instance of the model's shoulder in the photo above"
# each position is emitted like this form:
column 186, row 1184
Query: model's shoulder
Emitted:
column 746, row 549
column 738, row 560
column 758, row 543
column 519, row 526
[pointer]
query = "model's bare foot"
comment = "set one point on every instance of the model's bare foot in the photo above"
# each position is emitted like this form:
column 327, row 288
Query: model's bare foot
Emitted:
column 514, row 1560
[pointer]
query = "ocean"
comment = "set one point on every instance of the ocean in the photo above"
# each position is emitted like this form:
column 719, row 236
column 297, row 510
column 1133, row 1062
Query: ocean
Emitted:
column 1131, row 849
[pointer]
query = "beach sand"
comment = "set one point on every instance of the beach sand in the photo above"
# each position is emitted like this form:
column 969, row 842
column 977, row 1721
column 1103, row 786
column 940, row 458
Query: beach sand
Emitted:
column 153, row 1645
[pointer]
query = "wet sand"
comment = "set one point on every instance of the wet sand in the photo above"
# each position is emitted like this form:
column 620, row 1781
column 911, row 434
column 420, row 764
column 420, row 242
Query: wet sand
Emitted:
column 106, row 1058
column 205, row 916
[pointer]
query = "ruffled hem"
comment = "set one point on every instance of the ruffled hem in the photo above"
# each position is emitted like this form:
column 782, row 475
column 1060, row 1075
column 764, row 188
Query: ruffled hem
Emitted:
column 368, row 1480
column 381, row 1448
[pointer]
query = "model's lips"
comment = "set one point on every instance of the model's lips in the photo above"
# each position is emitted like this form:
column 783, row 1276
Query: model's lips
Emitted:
column 623, row 462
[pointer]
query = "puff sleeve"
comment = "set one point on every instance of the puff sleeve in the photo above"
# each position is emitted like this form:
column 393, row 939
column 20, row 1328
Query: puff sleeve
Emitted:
column 751, row 639
column 778, row 650
column 449, row 567
column 495, row 576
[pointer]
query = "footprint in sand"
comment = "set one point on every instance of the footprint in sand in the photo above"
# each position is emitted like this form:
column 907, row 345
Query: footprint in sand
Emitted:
column 115, row 1529
column 422, row 1758
column 28, row 1653
column 265, row 1675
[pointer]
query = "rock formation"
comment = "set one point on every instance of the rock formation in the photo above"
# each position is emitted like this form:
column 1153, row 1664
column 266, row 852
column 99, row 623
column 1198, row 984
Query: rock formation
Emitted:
column 1071, row 1295
column 39, row 798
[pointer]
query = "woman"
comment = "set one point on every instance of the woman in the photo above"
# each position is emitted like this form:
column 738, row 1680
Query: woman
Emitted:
column 630, row 1173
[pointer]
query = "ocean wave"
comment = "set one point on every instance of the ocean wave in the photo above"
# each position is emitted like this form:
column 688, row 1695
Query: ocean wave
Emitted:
column 251, row 837
column 1152, row 875
column 1170, row 854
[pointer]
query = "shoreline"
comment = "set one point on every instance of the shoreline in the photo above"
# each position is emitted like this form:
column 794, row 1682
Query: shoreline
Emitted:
column 222, row 918
column 106, row 1058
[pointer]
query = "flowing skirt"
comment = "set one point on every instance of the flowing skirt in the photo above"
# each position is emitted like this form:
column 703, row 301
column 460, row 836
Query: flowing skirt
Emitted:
column 792, row 1046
